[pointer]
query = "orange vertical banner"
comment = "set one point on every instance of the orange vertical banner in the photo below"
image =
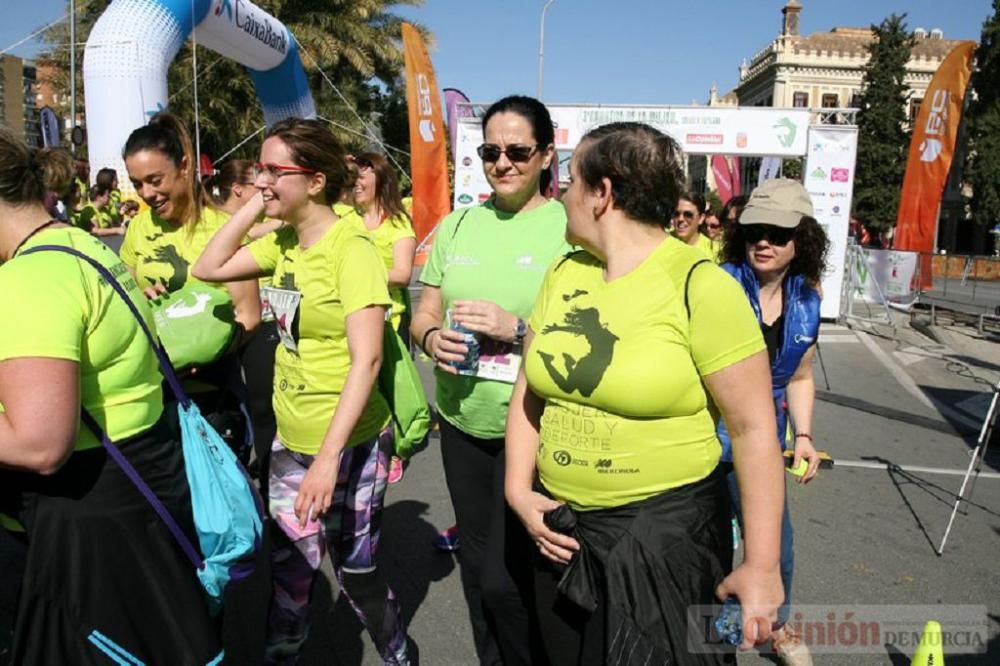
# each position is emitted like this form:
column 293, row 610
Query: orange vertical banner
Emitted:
column 428, row 146
column 932, row 148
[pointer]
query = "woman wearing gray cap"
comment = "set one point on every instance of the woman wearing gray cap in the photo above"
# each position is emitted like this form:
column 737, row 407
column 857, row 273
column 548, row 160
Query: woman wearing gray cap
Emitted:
column 777, row 252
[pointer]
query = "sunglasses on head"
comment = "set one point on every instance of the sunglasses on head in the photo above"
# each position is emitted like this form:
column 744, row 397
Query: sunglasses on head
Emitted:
column 688, row 215
column 755, row 233
column 490, row 152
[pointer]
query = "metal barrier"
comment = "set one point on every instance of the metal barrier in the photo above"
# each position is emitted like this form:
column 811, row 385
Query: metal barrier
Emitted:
column 967, row 284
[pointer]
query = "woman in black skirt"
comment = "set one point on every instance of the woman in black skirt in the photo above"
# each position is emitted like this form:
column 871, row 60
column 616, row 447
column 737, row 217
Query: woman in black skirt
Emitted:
column 104, row 580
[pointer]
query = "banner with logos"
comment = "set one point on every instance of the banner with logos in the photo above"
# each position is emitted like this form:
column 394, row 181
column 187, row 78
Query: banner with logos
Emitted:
column 829, row 179
column 886, row 276
column 471, row 186
column 428, row 152
column 699, row 130
column 931, row 150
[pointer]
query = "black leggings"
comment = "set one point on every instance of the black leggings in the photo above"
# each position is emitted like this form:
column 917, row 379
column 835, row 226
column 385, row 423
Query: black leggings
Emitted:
column 495, row 553
column 257, row 358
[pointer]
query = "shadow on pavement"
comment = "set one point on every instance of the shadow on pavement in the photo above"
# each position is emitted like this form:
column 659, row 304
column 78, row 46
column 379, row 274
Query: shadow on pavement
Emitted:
column 944, row 496
column 410, row 563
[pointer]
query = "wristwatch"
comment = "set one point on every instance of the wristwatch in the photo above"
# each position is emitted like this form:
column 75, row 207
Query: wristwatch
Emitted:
column 520, row 330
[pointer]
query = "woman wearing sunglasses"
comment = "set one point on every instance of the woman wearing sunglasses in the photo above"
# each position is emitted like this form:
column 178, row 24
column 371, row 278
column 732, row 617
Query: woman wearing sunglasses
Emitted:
column 330, row 459
column 484, row 272
column 612, row 456
column 777, row 252
column 687, row 220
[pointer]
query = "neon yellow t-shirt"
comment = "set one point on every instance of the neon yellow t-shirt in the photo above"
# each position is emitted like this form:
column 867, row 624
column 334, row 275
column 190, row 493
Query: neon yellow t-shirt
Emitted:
column 91, row 217
column 314, row 291
column 342, row 209
column 385, row 236
column 65, row 310
column 620, row 368
column 160, row 252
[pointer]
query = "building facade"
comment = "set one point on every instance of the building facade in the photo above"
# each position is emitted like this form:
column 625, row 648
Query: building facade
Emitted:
column 18, row 111
column 825, row 70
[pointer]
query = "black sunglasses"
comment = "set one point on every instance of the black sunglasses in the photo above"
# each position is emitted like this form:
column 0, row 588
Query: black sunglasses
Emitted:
column 490, row 152
column 688, row 215
column 755, row 233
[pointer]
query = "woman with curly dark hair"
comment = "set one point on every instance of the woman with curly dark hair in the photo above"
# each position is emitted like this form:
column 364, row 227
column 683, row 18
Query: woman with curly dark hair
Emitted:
column 777, row 252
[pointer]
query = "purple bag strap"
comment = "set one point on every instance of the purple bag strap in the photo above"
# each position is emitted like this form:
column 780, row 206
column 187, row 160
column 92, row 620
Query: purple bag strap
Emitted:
column 168, row 371
column 161, row 355
column 116, row 454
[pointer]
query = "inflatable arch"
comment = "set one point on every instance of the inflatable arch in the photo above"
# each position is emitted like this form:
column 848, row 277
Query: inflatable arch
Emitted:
column 134, row 41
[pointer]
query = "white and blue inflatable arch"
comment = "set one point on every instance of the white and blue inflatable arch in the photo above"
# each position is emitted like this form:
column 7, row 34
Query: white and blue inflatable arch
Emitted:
column 134, row 41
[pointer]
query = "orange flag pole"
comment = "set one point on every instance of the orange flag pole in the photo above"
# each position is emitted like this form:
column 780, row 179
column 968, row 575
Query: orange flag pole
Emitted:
column 428, row 149
column 932, row 148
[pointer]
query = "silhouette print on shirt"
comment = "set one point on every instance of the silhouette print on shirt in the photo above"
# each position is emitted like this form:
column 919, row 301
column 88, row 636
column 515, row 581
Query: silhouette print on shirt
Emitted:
column 167, row 254
column 582, row 374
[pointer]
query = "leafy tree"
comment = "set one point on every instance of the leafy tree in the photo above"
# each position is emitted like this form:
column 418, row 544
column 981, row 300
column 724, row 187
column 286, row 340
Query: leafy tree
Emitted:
column 983, row 121
column 883, row 139
column 353, row 44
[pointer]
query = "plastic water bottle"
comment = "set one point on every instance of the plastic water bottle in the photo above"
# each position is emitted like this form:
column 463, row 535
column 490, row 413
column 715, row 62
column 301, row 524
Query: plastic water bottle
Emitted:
column 470, row 363
column 729, row 624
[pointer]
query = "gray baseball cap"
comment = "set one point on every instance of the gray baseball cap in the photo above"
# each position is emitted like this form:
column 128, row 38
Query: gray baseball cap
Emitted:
column 779, row 202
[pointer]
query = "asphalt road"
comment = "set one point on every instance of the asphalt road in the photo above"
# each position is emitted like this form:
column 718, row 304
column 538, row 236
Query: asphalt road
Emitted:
column 864, row 536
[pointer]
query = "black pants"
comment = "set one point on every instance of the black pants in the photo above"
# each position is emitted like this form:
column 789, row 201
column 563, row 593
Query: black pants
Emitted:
column 495, row 556
column 258, row 369
column 572, row 635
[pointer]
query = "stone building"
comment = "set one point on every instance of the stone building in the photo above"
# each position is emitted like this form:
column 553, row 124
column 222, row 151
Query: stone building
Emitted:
column 825, row 70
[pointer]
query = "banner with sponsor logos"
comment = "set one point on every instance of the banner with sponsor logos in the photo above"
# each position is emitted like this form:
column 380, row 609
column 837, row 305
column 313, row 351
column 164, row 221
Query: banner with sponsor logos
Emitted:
column 829, row 178
column 931, row 150
column 471, row 186
column 428, row 152
column 699, row 130
column 886, row 277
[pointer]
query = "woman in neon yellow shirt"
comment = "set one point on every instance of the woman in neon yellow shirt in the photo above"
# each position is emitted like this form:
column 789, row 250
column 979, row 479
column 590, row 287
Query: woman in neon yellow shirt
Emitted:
column 330, row 458
column 377, row 201
column 611, row 416
column 105, row 581
column 162, row 243
column 687, row 220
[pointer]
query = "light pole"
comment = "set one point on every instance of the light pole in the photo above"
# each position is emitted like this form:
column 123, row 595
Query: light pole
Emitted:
column 72, row 70
column 541, row 48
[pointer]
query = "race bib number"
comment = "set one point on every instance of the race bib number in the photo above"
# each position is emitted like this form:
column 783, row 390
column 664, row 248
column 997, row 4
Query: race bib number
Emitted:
column 498, row 361
column 284, row 305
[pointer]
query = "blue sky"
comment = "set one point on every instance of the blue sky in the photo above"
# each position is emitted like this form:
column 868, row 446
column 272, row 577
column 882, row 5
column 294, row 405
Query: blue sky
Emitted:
column 606, row 51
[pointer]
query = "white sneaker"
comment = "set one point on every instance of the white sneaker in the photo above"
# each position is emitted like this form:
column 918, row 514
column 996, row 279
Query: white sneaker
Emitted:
column 790, row 648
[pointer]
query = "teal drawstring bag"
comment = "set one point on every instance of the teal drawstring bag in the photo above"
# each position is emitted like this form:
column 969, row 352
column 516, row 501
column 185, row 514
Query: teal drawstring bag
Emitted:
column 227, row 509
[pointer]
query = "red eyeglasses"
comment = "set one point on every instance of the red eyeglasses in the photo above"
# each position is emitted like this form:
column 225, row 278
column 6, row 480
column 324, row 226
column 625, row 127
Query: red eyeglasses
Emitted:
column 272, row 172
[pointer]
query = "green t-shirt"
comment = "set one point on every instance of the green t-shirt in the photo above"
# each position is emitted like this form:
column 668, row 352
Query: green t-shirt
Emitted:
column 65, row 310
column 481, row 253
column 313, row 292
column 620, row 367
column 385, row 236
column 160, row 252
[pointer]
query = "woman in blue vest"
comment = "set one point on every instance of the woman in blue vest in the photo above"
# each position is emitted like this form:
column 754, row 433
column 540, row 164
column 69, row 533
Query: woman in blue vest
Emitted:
column 777, row 252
